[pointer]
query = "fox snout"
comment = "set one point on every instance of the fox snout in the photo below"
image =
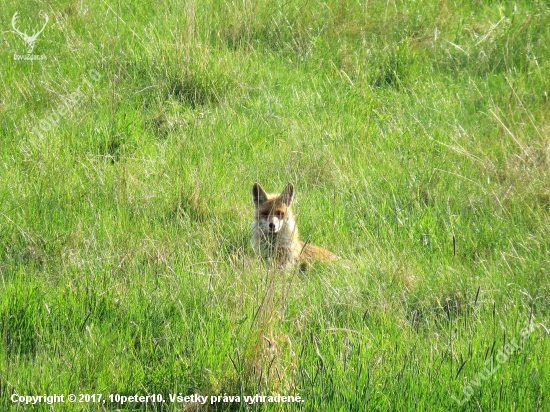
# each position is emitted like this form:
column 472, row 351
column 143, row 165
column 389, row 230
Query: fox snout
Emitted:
column 271, row 224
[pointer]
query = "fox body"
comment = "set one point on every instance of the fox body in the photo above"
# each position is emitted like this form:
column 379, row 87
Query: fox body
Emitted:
column 274, row 231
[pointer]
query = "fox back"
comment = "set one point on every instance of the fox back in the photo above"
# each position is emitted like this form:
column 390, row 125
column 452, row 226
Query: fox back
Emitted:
column 274, row 231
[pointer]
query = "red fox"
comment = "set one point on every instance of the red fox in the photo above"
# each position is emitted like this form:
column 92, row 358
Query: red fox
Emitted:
column 274, row 231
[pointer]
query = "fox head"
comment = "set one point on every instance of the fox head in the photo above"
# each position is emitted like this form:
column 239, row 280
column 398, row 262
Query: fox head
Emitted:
column 272, row 211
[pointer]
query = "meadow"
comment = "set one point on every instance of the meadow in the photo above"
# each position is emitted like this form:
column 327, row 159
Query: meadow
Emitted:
column 417, row 136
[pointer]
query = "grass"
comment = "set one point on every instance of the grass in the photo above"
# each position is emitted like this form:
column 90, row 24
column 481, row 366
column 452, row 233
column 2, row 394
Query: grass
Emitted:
column 416, row 135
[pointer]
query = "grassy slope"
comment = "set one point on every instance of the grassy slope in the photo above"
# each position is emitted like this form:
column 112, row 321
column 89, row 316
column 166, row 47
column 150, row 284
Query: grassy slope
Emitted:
column 124, row 255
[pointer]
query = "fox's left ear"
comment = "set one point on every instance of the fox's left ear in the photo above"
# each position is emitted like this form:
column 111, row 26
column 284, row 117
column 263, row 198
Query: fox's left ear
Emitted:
column 288, row 194
column 259, row 195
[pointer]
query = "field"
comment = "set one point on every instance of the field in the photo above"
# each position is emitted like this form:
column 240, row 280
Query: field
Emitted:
column 416, row 133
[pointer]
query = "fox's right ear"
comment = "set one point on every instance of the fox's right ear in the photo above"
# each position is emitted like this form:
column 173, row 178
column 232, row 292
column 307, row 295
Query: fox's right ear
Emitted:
column 258, row 194
column 288, row 194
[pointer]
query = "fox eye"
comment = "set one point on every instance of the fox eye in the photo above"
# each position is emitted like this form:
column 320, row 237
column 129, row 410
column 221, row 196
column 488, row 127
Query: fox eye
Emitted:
column 279, row 214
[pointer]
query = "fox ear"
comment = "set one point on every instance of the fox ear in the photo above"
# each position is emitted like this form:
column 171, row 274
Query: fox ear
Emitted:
column 258, row 194
column 288, row 194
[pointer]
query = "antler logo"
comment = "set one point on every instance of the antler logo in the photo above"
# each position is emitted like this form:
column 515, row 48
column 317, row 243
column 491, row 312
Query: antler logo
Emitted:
column 30, row 40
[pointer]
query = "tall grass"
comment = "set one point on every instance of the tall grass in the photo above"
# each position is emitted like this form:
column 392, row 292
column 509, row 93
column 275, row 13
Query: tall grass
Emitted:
column 416, row 135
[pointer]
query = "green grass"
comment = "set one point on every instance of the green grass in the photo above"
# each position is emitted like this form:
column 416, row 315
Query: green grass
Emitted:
column 416, row 135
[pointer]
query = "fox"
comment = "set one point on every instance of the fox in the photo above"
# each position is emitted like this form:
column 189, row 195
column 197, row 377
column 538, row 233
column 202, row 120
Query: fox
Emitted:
column 275, row 234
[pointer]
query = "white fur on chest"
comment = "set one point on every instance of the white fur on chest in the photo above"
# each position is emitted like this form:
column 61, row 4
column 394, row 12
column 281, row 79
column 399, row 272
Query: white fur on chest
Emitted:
column 282, row 245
